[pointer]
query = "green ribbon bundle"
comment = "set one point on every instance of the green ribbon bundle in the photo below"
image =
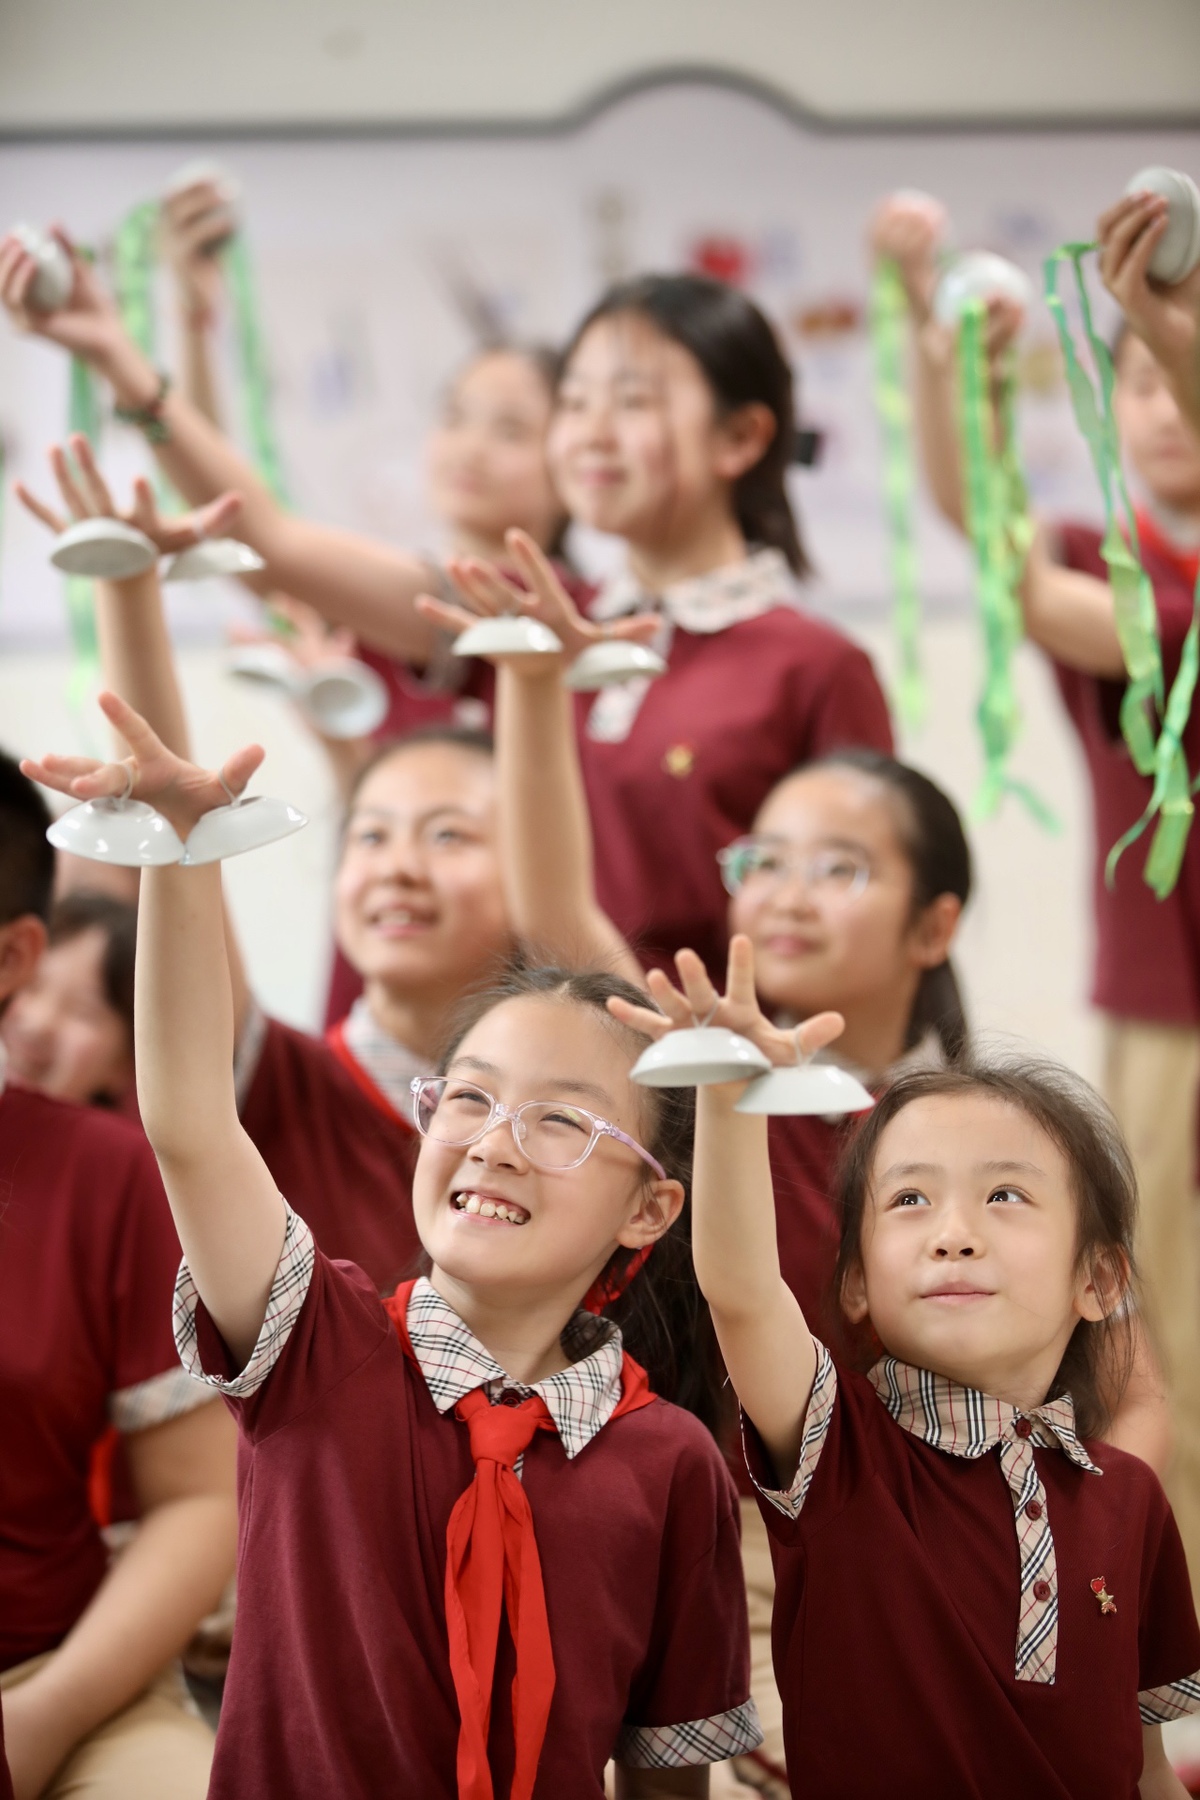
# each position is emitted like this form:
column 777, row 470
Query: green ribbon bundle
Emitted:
column 1001, row 532
column 888, row 320
column 1157, row 755
column 83, row 416
column 256, row 380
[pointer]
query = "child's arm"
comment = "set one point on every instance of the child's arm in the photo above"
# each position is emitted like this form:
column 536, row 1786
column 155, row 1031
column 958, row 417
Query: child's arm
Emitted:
column 1167, row 319
column 1159, row 1780
column 545, row 831
column 1070, row 615
column 228, row 1213
column 192, row 220
column 766, row 1343
column 354, row 581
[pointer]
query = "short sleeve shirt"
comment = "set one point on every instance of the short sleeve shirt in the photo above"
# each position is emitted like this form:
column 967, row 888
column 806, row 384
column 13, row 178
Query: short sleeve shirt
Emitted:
column 352, row 1472
column 88, row 1255
column 973, row 1591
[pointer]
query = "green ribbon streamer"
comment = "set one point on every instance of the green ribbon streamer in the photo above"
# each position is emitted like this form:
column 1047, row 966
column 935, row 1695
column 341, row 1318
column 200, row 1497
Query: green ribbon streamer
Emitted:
column 1001, row 531
column 135, row 251
column 83, row 416
column 1160, row 756
column 256, row 379
column 888, row 320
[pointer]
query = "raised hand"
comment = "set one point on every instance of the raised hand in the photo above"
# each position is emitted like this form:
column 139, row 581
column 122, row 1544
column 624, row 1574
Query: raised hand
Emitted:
column 908, row 229
column 88, row 325
column 178, row 789
column 196, row 221
column 86, row 495
column 696, row 1001
column 486, row 592
column 1167, row 319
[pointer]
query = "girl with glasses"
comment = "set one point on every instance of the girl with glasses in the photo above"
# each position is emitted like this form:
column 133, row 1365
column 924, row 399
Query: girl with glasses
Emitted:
column 476, row 1448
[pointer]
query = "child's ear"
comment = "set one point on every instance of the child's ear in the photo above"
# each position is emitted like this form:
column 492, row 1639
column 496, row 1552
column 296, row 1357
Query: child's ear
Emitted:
column 933, row 932
column 22, row 943
column 660, row 1205
column 746, row 434
column 1102, row 1286
column 854, row 1294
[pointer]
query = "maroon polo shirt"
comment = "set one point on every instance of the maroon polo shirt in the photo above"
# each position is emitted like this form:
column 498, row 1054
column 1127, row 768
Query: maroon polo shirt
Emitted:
column 896, row 1619
column 1147, row 958
column 344, row 1164
column 340, row 1678
column 88, row 1257
column 736, row 710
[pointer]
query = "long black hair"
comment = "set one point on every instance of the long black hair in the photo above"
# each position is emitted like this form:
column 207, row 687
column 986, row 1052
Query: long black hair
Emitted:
column 932, row 837
column 664, row 1321
column 743, row 364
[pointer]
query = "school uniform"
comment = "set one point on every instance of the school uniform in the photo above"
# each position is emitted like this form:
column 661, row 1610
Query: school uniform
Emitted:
column 88, row 1255
column 1146, row 984
column 676, row 768
column 970, row 1594
column 331, row 1121
column 342, row 1679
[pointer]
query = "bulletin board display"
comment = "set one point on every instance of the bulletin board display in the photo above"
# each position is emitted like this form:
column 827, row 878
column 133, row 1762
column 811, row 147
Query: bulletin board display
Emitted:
column 374, row 259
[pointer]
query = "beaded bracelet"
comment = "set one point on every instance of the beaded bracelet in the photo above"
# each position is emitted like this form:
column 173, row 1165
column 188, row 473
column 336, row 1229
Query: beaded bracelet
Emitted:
column 148, row 419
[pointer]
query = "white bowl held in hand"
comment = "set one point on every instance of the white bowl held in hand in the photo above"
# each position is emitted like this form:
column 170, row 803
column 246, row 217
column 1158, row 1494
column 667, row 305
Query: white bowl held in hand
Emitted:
column 806, row 1088
column 979, row 275
column 104, row 549
column 697, row 1057
column 615, row 659
column 344, row 699
column 51, row 286
column 227, row 185
column 213, row 556
column 1177, row 252
column 508, row 634
column 125, row 832
column 246, row 824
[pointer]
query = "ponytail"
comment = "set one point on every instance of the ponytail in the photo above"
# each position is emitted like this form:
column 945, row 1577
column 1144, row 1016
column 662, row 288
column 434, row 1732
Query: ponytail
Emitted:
column 743, row 364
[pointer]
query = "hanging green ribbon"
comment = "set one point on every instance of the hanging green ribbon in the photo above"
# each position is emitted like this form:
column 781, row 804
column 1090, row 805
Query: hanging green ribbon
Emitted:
column 1157, row 755
column 889, row 322
column 256, row 380
column 135, row 253
column 1001, row 531
column 83, row 416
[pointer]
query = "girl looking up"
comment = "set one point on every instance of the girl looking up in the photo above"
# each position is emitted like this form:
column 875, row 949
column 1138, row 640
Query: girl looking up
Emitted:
column 951, row 1537
column 475, row 1444
column 673, row 429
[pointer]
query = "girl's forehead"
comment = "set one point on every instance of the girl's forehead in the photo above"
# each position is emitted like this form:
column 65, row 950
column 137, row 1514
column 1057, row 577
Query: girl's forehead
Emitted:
column 832, row 802
column 628, row 343
column 966, row 1133
column 422, row 777
column 503, row 377
column 544, row 1038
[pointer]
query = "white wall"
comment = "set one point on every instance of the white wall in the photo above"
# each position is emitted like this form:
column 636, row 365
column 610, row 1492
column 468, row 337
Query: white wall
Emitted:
column 67, row 64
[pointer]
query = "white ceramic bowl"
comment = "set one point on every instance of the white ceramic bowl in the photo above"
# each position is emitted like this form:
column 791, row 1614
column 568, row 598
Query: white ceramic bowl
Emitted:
column 344, row 699
column 616, row 659
column 213, row 556
column 508, row 634
column 51, row 286
column 247, row 824
column 126, row 832
column 1178, row 251
column 269, row 665
column 820, row 1088
column 698, row 1056
column 104, row 549
column 979, row 275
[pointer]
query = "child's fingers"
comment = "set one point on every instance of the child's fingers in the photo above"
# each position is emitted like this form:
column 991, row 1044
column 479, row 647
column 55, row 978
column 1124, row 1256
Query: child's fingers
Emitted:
column 468, row 578
column 68, row 487
column 739, row 979
column 451, row 618
column 145, row 743
column 543, row 577
column 59, row 772
column 90, row 479
column 818, row 1031
column 1119, row 240
column 639, row 1018
column 238, row 768
column 32, row 504
column 639, row 628
column 490, row 587
column 672, row 1002
column 1129, row 214
column 702, row 996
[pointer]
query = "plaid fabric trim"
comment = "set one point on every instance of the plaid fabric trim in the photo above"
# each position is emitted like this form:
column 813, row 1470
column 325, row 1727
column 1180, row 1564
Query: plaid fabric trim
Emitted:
column 288, row 1290
column 390, row 1064
column 1158, row 1706
column 581, row 1399
column 964, row 1422
column 153, row 1402
column 816, row 1429
column 713, row 1740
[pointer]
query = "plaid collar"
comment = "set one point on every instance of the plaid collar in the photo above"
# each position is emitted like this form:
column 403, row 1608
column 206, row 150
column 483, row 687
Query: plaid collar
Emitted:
column 581, row 1399
column 390, row 1064
column 964, row 1422
column 711, row 602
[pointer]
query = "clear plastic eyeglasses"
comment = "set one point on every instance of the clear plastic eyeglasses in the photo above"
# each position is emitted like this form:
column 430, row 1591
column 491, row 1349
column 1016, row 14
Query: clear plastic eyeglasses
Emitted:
column 550, row 1134
column 833, row 873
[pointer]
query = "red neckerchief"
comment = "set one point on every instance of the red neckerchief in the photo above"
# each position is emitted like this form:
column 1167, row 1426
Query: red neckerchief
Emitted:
column 335, row 1037
column 1186, row 562
column 492, row 1562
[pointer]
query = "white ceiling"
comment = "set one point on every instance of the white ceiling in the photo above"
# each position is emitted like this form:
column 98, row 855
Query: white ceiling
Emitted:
column 70, row 65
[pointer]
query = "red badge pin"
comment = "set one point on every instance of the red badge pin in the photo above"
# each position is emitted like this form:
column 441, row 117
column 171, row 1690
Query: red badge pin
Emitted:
column 1107, row 1603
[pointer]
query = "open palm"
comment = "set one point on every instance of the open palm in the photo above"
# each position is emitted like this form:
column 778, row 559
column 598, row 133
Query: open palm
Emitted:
column 86, row 495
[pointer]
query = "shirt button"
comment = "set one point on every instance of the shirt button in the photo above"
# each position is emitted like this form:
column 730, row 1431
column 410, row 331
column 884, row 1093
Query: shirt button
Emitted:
column 1023, row 1428
column 1034, row 1510
column 1042, row 1590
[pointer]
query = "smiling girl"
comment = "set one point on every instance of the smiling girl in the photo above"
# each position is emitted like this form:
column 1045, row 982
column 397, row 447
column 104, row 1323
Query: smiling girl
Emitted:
column 473, row 1450
column 969, row 1581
